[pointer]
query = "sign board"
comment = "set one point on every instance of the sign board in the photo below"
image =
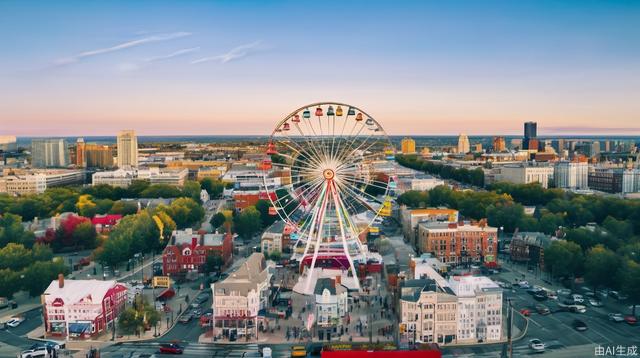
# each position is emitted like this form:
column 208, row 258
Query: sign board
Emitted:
column 161, row 281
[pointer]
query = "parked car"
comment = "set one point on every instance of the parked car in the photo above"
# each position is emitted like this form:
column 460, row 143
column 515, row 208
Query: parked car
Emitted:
column 551, row 295
column 563, row 291
column 536, row 345
column 525, row 312
column 171, row 348
column 579, row 325
column 185, row 318
column 540, row 296
column 34, row 351
column 542, row 309
column 632, row 320
column 298, row 351
column 618, row 296
column 577, row 309
column 577, row 298
column 595, row 302
column 616, row 317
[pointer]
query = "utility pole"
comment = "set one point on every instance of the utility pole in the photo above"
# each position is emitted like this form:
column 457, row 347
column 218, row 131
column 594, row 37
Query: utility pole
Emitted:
column 509, row 328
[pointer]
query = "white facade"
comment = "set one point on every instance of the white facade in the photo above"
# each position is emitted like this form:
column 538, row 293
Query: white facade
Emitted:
column 37, row 181
column 124, row 177
column 48, row 153
column 571, row 175
column 331, row 303
column 119, row 178
column 479, row 308
column 524, row 174
column 127, row 147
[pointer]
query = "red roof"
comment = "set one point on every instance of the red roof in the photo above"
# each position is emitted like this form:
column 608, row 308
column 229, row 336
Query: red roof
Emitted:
column 110, row 219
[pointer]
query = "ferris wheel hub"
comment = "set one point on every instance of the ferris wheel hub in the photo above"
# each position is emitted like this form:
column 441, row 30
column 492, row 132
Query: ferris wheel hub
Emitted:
column 328, row 174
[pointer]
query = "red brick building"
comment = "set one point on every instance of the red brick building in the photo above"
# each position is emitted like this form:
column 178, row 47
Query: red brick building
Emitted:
column 105, row 223
column 245, row 199
column 188, row 251
column 459, row 243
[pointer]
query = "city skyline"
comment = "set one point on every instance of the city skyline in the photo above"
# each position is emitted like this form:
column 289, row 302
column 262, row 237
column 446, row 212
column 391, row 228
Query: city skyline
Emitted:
column 225, row 68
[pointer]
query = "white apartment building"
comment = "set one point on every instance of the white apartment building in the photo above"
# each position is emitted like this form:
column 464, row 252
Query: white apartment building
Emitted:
column 331, row 307
column 124, row 177
column 571, row 174
column 420, row 183
column 127, row 149
column 479, row 308
column 524, row 174
column 466, row 309
column 21, row 182
column 238, row 300
column 49, row 152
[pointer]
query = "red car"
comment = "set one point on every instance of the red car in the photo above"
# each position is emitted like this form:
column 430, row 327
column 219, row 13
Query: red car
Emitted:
column 525, row 312
column 171, row 348
column 632, row 320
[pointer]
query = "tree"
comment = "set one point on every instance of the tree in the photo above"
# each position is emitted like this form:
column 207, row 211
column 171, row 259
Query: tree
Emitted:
column 10, row 282
column 275, row 256
column 414, row 199
column 103, row 206
column 124, row 208
column 191, row 189
column 549, row 222
column 130, row 321
column 507, row 215
column 217, row 220
column 86, row 207
column 160, row 191
column 564, row 259
column 214, row 263
column 40, row 274
column 135, row 189
column 248, row 222
column 11, row 230
column 15, row 257
column 630, row 282
column 215, row 188
column 600, row 267
column 263, row 207
column 184, row 211
column 84, row 235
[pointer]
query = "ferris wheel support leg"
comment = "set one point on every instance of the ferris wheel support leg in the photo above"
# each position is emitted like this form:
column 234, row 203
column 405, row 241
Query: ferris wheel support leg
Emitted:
column 323, row 209
column 337, row 203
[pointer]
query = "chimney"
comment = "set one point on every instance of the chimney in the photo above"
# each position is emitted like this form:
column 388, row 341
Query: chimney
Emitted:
column 60, row 280
column 338, row 280
column 333, row 282
column 194, row 241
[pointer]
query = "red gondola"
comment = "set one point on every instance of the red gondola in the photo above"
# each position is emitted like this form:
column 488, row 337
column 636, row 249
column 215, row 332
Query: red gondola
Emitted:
column 272, row 211
column 359, row 117
column 271, row 149
column 296, row 119
column 285, row 127
column 319, row 112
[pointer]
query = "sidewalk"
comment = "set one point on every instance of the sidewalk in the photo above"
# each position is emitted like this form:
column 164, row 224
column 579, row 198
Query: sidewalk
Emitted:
column 25, row 304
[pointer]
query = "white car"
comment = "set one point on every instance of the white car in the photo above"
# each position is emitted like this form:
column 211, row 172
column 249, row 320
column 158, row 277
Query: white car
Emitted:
column 14, row 322
column 536, row 345
column 564, row 291
column 577, row 298
column 35, row 351
column 616, row 317
column 595, row 302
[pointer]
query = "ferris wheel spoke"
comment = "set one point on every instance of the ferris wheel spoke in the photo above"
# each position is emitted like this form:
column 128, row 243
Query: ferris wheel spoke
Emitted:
column 301, row 152
column 306, row 139
column 361, row 192
column 370, row 183
column 348, row 138
column 348, row 149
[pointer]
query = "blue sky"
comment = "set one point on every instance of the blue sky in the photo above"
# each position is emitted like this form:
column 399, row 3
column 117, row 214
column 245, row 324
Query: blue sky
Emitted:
column 235, row 67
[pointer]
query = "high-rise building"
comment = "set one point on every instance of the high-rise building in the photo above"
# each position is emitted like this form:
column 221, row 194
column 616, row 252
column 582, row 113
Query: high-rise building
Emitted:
column 530, row 134
column 127, row 149
column 98, row 156
column 573, row 174
column 477, row 148
column 8, row 143
column 408, row 146
column 463, row 144
column 48, row 153
column 80, row 159
column 499, row 144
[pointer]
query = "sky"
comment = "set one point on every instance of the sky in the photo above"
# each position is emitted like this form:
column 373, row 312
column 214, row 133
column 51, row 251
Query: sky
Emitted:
column 238, row 67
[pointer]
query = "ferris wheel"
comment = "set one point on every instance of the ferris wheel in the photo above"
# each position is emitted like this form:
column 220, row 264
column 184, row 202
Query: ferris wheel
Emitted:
column 323, row 181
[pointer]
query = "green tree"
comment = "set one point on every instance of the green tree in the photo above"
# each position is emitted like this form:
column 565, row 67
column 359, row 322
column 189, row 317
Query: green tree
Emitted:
column 161, row 191
column 191, row 189
column 103, row 206
column 84, row 235
column 600, row 267
column 124, row 208
column 506, row 215
column 275, row 256
column 10, row 282
column 213, row 187
column 414, row 199
column 15, row 257
column 564, row 259
column 630, row 282
column 130, row 321
column 248, row 222
column 214, row 263
column 11, row 230
column 135, row 189
column 40, row 274
column 263, row 208
column 185, row 212
column 549, row 222
column 218, row 219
